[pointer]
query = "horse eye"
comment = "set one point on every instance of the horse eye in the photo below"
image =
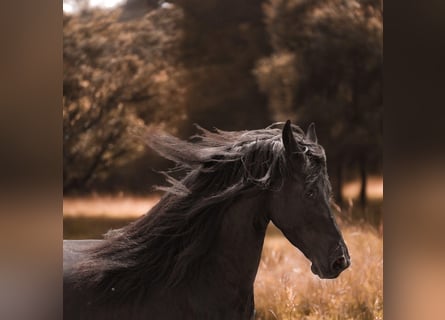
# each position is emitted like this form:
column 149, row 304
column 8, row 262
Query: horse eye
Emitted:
column 310, row 194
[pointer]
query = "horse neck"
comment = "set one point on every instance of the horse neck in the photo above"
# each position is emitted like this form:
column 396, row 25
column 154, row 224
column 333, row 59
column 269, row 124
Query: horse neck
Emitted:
column 240, row 242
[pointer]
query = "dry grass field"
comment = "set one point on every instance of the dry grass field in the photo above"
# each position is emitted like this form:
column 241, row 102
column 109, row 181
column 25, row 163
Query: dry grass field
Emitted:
column 286, row 289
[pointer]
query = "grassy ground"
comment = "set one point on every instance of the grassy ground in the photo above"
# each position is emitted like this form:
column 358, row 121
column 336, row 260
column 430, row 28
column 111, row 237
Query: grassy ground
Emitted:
column 285, row 288
column 83, row 227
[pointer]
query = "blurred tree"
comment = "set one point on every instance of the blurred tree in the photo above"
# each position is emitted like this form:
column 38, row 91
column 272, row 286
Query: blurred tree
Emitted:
column 327, row 68
column 117, row 77
column 226, row 64
column 222, row 41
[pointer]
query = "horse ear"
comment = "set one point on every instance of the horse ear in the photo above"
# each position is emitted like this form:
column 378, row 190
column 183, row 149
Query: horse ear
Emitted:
column 290, row 145
column 310, row 133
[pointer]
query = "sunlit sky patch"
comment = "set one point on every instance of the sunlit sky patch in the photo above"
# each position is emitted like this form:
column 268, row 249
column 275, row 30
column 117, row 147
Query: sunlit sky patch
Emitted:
column 106, row 3
column 73, row 5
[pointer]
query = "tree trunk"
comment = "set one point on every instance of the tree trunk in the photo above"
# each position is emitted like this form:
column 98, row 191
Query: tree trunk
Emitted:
column 363, row 177
column 339, row 184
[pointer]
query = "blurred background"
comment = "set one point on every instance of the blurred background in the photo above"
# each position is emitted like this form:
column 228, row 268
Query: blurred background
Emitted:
column 231, row 65
column 223, row 64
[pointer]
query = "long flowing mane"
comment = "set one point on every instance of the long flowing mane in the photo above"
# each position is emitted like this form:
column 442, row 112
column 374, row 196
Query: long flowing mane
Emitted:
column 170, row 243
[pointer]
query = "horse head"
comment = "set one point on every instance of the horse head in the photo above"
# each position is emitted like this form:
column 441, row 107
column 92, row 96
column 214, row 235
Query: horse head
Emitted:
column 301, row 207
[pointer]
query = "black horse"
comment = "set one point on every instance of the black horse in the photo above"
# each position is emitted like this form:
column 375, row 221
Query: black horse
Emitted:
column 195, row 255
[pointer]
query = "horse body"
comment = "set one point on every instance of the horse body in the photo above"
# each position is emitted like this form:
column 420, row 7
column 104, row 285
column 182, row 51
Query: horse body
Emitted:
column 195, row 255
column 221, row 290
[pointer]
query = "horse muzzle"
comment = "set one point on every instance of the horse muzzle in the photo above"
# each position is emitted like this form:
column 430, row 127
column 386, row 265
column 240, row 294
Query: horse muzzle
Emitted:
column 337, row 264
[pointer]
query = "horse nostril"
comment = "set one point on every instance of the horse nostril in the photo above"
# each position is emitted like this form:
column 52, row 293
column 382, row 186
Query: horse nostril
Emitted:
column 340, row 264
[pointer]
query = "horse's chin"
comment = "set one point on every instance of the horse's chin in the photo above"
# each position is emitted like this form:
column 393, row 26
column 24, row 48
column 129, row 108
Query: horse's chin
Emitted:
column 315, row 270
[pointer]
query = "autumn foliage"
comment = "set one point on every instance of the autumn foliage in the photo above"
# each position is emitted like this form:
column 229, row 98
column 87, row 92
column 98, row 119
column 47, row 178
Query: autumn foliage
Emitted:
column 226, row 64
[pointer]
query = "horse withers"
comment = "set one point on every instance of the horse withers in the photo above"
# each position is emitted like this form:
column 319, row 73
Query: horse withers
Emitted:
column 195, row 255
